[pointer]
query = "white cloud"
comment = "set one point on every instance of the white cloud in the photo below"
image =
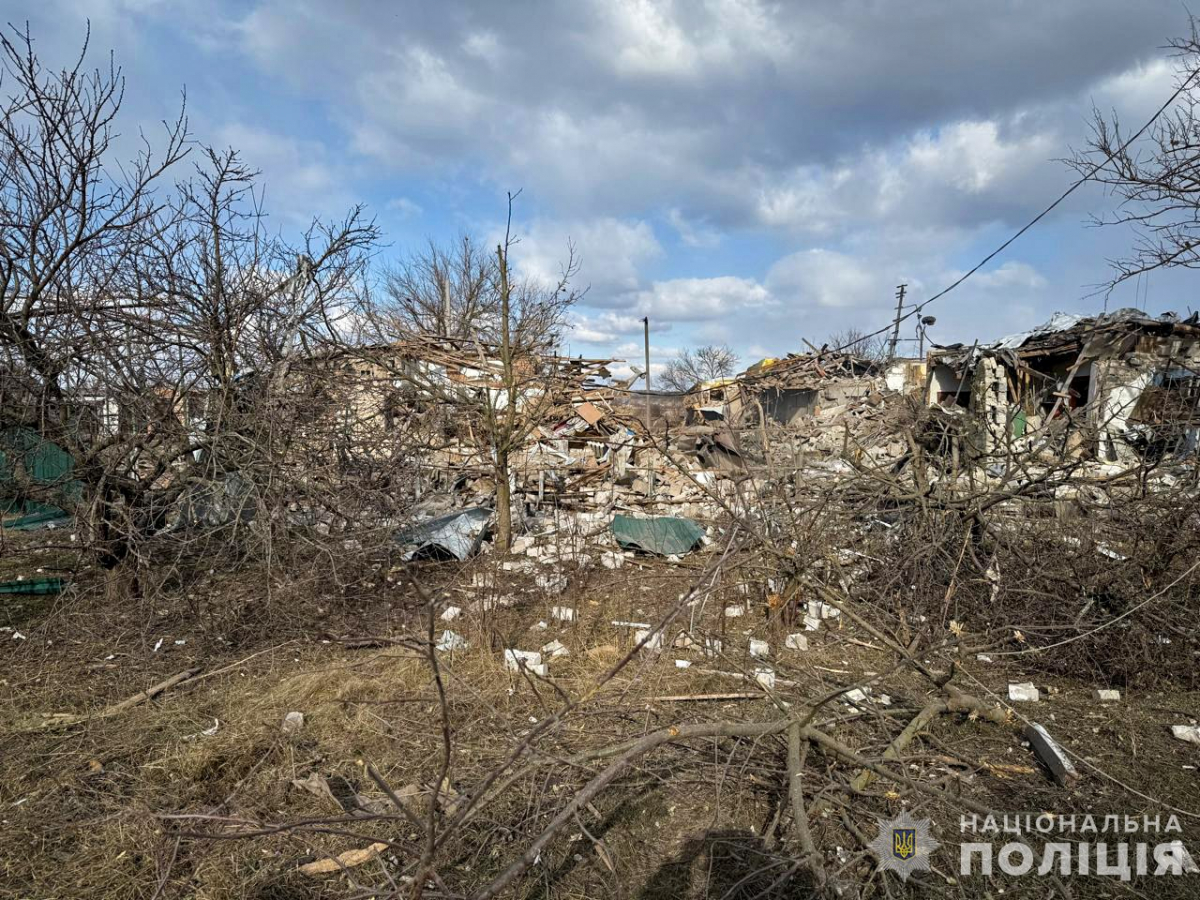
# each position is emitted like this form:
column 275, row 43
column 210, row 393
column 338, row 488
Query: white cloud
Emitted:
column 828, row 278
column 1010, row 276
column 697, row 299
column 300, row 178
column 609, row 252
column 693, row 234
column 686, row 41
column 405, row 207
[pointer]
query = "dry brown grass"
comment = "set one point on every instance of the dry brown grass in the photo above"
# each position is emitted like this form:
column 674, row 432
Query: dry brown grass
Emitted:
column 83, row 810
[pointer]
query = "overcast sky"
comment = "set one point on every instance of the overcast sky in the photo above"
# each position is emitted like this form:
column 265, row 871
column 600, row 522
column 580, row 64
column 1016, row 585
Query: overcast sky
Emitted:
column 745, row 172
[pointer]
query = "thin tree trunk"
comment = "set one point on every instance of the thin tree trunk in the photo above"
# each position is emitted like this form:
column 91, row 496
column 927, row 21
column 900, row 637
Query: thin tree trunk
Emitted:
column 503, row 503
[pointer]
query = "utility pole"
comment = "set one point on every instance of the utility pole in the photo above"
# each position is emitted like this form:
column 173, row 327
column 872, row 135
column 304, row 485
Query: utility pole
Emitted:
column 445, row 306
column 900, row 289
column 649, row 413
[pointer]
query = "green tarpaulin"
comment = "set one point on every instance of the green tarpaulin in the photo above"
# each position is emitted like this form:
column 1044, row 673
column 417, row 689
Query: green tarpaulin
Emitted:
column 40, row 461
column 33, row 586
column 664, row 535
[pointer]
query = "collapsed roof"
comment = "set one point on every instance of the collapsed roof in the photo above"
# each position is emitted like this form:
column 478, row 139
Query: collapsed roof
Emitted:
column 1065, row 333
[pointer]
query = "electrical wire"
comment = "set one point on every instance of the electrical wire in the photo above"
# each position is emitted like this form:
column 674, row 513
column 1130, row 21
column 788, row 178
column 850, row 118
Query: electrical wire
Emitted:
column 917, row 308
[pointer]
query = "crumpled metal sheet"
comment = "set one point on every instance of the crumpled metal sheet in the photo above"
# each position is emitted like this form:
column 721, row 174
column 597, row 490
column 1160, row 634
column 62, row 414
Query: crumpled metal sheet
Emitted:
column 458, row 534
column 1059, row 323
column 664, row 535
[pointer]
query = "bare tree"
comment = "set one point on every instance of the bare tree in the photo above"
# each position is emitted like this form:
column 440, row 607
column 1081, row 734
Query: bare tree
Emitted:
column 1155, row 175
column 693, row 367
column 458, row 308
column 444, row 290
column 856, row 342
column 151, row 303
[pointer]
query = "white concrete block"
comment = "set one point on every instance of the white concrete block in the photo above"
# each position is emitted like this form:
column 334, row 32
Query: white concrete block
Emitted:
column 513, row 659
column 1025, row 692
column 1190, row 733
column 796, row 642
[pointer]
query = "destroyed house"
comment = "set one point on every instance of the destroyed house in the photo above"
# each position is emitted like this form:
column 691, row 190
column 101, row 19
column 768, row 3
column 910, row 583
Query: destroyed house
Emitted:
column 1117, row 387
column 802, row 386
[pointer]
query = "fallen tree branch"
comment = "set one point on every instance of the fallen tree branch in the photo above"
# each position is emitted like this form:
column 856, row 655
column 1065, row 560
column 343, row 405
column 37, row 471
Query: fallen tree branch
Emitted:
column 68, row 720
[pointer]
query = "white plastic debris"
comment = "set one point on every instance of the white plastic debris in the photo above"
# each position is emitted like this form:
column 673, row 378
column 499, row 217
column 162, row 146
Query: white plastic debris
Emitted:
column 1025, row 692
column 864, row 694
column 1190, row 733
column 682, row 663
column 157, row 646
column 796, row 642
column 735, row 612
column 759, row 648
column 620, row 623
column 17, row 636
column 210, row 731
column 514, row 659
column 1181, row 853
column 451, row 641
column 811, row 622
column 1106, row 696
column 765, row 677
column 552, row 583
column 983, row 657
column 562, row 613
column 450, row 613
column 650, row 641
column 555, row 648
column 293, row 722
column 819, row 610
column 712, row 646
column 611, row 559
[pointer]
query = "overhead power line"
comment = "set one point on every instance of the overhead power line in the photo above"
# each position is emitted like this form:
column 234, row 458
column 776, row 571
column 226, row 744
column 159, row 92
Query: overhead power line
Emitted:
column 916, row 310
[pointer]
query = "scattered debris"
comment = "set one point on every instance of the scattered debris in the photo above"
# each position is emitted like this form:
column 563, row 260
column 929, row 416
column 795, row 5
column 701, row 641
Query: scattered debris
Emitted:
column 347, row 860
column 796, row 642
column 1106, row 695
column 1025, row 692
column 451, row 641
column 1190, row 733
column 1051, row 754
column 458, row 535
column 765, row 676
column 515, row 660
column 650, row 641
column 292, row 722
